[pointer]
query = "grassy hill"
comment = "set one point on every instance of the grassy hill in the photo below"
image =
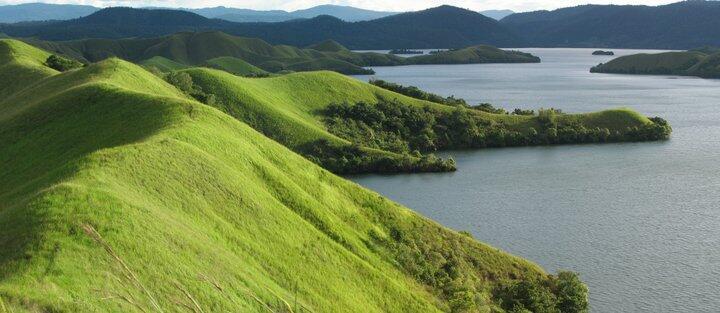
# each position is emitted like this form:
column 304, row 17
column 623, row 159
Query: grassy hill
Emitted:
column 204, row 48
column 120, row 194
column 294, row 110
column 475, row 54
column 192, row 49
column 702, row 63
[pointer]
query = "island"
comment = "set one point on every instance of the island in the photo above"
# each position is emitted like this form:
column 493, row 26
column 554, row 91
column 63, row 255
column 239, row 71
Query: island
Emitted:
column 603, row 52
column 405, row 51
column 701, row 62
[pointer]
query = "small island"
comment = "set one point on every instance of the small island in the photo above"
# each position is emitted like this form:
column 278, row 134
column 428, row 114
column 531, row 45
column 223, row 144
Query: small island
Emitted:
column 603, row 52
column 698, row 62
column 405, row 51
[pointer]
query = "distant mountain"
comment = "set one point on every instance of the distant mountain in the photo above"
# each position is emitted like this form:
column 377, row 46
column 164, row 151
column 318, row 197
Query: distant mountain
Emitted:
column 345, row 13
column 682, row 25
column 441, row 27
column 43, row 12
column 496, row 14
column 47, row 11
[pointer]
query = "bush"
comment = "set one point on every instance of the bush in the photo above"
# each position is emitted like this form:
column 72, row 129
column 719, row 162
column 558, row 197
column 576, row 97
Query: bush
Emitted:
column 62, row 64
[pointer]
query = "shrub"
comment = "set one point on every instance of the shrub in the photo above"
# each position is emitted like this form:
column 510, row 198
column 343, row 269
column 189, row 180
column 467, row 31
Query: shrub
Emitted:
column 62, row 64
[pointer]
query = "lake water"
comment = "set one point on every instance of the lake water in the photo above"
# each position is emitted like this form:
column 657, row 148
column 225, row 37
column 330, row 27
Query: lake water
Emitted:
column 639, row 221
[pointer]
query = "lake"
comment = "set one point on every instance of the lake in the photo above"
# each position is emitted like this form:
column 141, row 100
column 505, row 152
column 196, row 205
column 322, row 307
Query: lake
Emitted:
column 639, row 221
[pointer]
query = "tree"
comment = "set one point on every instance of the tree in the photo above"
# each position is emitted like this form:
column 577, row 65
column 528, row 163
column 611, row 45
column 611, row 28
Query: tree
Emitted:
column 62, row 64
column 572, row 294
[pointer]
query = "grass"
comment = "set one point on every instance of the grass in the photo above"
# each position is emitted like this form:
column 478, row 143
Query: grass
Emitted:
column 235, row 66
column 702, row 63
column 289, row 108
column 163, row 64
column 121, row 194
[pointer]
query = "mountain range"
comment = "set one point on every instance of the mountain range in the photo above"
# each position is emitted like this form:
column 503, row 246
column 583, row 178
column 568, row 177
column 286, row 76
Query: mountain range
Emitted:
column 682, row 25
column 444, row 26
column 47, row 11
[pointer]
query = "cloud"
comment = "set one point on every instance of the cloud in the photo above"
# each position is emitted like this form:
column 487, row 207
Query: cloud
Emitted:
column 386, row 5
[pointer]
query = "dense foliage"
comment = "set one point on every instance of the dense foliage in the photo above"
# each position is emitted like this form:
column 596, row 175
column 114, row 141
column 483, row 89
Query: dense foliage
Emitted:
column 62, row 64
column 562, row 294
column 402, row 128
column 415, row 92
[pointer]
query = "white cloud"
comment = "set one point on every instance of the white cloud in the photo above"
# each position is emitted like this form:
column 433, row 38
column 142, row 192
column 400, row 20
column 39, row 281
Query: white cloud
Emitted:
column 387, row 5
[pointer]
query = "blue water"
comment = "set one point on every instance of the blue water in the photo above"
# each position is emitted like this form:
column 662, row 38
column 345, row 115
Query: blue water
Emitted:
column 639, row 221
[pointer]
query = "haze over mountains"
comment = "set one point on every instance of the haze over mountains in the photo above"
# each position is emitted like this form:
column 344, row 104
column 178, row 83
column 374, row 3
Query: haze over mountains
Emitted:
column 683, row 25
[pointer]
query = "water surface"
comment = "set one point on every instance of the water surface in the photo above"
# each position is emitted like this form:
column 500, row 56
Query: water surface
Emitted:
column 639, row 221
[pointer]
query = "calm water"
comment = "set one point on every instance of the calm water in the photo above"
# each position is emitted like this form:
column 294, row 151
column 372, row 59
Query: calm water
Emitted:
column 639, row 221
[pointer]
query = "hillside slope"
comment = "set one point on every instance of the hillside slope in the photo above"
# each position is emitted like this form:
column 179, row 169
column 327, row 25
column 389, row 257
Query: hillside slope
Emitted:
column 120, row 194
column 682, row 25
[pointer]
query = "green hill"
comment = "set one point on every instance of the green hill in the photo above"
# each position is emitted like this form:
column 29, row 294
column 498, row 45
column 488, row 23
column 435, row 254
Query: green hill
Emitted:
column 120, row 194
column 235, row 66
column 702, row 63
column 295, row 110
column 475, row 54
column 163, row 64
column 196, row 49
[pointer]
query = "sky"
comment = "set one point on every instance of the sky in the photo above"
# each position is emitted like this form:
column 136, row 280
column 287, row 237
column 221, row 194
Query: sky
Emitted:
column 383, row 5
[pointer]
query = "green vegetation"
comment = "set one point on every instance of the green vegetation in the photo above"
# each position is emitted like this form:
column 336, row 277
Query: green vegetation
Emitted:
column 162, row 64
column 700, row 62
column 603, row 52
column 415, row 92
column 475, row 54
column 236, row 66
column 62, row 64
column 254, row 57
column 119, row 193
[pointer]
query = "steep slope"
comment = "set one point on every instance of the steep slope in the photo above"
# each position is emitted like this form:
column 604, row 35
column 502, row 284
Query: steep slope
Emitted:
column 120, row 194
column 441, row 27
column 682, row 25
column 688, row 63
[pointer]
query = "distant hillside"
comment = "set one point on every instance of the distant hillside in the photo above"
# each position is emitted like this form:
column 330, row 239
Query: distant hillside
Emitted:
column 701, row 63
column 43, row 12
column 223, row 51
column 48, row 11
column 188, row 49
column 682, row 25
column 441, row 27
column 496, row 14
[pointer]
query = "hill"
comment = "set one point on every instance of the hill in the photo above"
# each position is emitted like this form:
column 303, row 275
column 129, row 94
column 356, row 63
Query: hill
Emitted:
column 701, row 63
column 43, row 12
column 682, row 25
column 185, row 49
column 121, row 194
column 476, row 54
column 441, row 27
